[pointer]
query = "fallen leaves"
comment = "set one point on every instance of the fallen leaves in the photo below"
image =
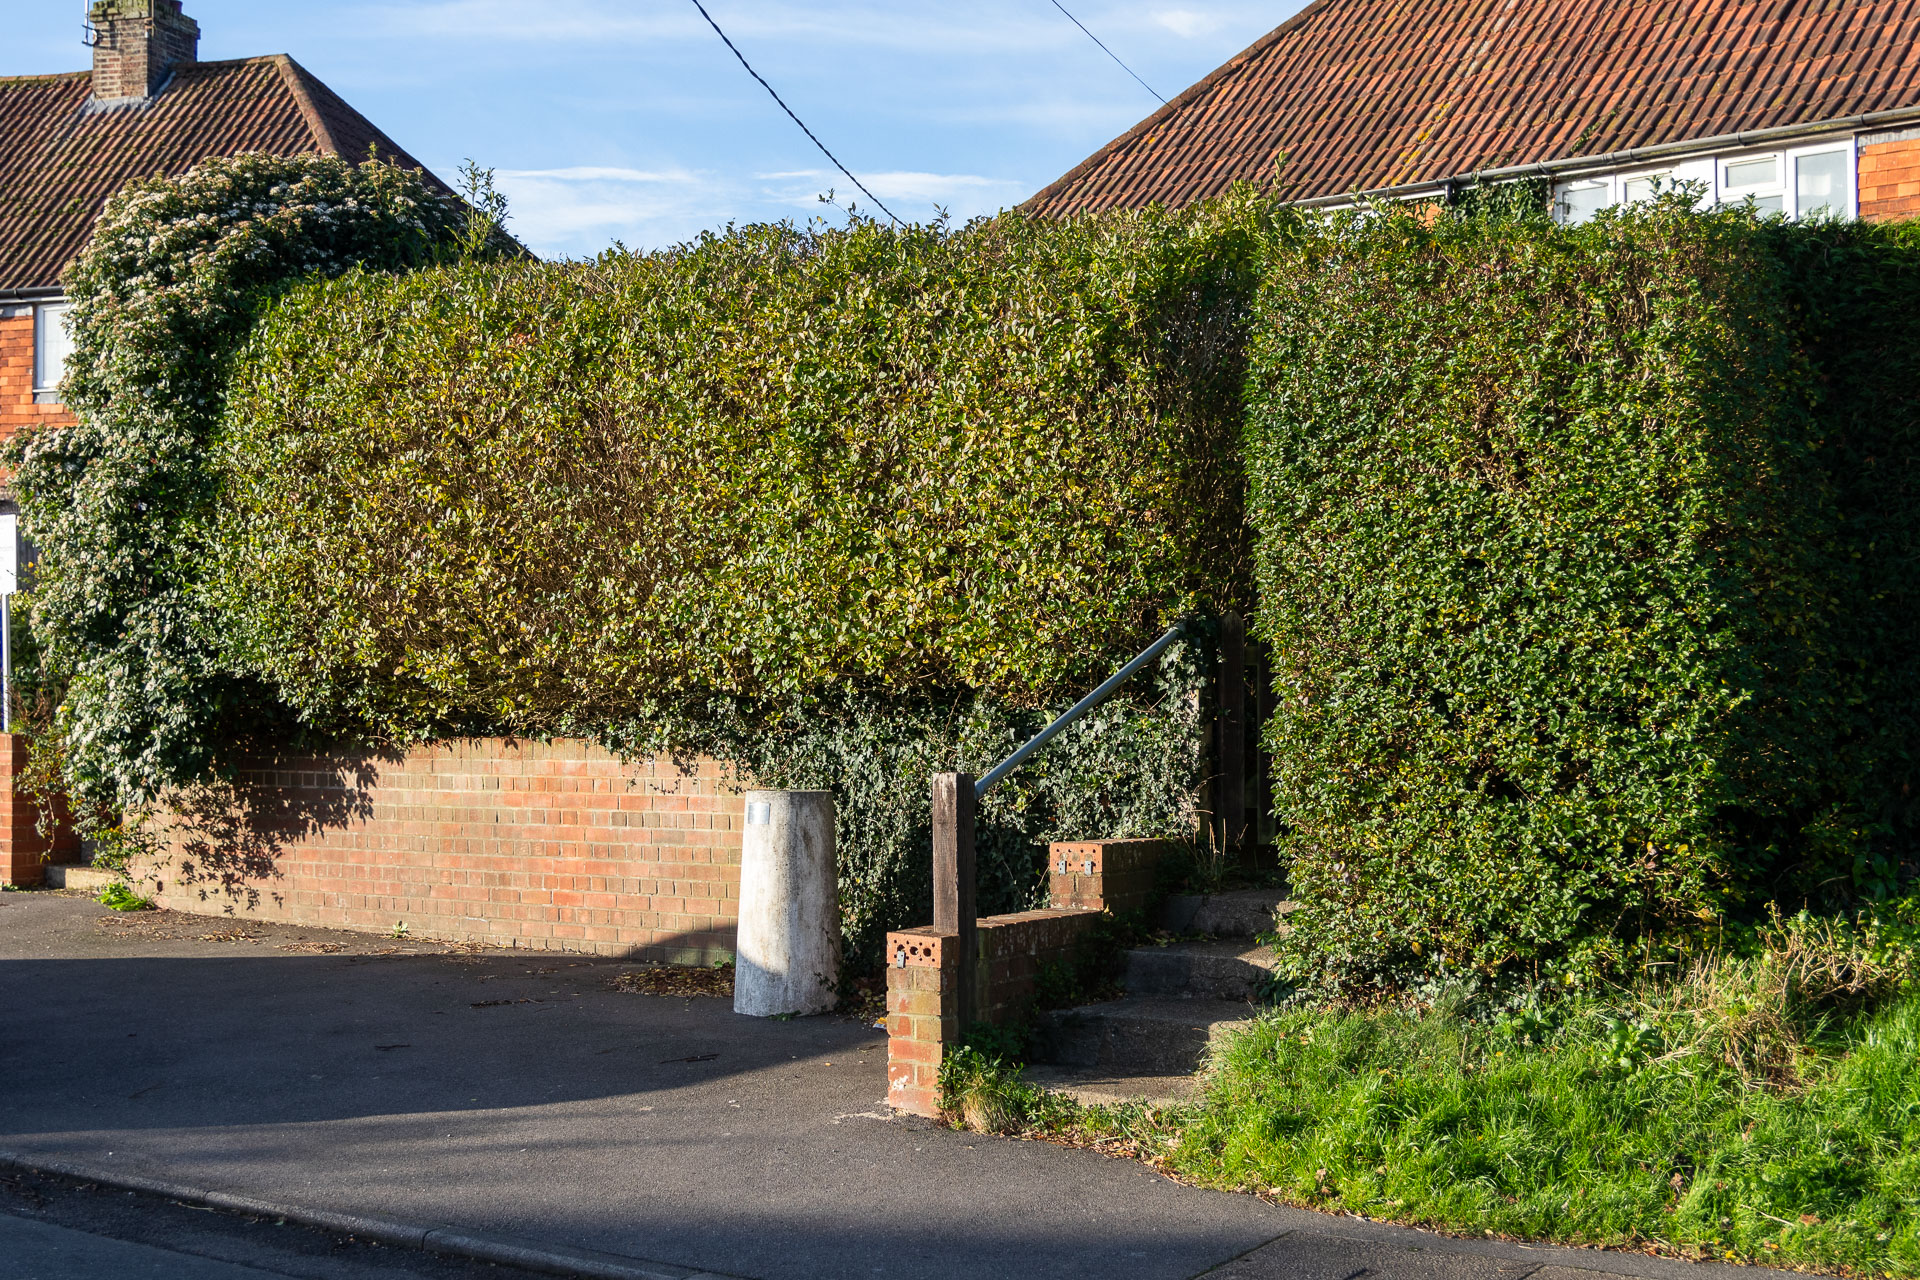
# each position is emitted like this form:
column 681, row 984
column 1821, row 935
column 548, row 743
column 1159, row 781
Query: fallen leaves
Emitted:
column 677, row 980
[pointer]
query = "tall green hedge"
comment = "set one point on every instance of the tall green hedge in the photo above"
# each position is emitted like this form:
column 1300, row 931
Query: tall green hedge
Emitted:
column 843, row 505
column 1588, row 559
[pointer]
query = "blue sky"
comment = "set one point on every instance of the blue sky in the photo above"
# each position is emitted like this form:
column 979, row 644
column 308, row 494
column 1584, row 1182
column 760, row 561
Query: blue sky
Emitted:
column 628, row 120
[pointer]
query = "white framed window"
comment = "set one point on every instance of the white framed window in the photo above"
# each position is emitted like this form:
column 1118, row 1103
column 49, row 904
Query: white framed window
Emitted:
column 1822, row 182
column 1578, row 199
column 1761, row 179
column 1581, row 200
column 1642, row 187
column 51, row 349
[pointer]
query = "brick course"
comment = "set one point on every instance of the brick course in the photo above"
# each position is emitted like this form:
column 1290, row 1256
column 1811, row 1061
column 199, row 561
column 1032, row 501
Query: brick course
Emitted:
column 1105, row 875
column 1890, row 180
column 923, row 969
column 554, row 846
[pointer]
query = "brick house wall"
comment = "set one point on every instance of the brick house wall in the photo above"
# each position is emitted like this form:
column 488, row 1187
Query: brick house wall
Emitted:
column 550, row 846
column 1889, row 169
column 17, row 409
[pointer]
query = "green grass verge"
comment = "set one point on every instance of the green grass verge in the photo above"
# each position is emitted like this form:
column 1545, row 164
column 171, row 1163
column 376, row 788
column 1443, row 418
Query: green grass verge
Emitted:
column 1760, row 1110
column 1434, row 1119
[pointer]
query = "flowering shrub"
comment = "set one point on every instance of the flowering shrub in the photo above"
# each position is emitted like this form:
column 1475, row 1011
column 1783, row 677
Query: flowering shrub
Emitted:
column 164, row 293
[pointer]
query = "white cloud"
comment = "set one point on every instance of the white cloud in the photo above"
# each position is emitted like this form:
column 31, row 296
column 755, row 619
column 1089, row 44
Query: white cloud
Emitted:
column 1187, row 24
column 578, row 210
column 581, row 209
column 592, row 173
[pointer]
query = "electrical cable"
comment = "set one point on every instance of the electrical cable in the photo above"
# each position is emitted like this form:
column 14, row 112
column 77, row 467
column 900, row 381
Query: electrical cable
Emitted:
column 1110, row 53
column 796, row 119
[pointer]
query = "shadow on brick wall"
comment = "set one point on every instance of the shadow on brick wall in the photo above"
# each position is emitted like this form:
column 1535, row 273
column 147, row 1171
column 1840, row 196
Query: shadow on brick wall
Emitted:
column 231, row 835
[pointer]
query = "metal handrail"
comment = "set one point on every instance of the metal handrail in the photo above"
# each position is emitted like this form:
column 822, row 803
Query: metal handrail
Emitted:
column 1080, row 708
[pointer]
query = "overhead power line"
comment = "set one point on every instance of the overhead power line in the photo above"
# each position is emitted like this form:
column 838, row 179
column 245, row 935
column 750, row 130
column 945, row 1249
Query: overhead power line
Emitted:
column 790, row 115
column 1110, row 53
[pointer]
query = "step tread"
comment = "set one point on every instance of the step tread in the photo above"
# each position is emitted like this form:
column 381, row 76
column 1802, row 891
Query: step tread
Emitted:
column 79, row 876
column 1235, row 913
column 1105, row 1088
column 1172, row 1011
column 1219, row 948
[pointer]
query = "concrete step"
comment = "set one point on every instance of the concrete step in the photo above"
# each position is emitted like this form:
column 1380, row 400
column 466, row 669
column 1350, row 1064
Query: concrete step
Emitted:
column 1137, row 1035
column 1228, row 970
column 76, row 875
column 1098, row 1088
column 1240, row 913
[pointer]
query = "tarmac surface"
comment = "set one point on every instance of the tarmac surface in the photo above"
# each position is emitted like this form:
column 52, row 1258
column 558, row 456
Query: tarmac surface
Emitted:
column 519, row 1096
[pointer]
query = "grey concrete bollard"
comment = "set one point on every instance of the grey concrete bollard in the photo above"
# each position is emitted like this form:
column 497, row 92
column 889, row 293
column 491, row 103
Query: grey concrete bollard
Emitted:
column 787, row 959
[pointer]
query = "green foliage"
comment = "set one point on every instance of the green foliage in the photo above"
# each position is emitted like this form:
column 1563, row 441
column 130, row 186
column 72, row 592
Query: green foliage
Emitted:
column 557, row 498
column 844, row 507
column 1625, row 1119
column 1130, row 769
column 121, row 897
column 163, row 294
column 1649, row 1115
column 1587, row 557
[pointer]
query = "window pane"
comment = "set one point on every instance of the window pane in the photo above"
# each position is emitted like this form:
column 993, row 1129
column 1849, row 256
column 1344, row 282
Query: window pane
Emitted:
column 1645, row 187
column 1771, row 204
column 1583, row 201
column 51, row 346
column 1763, row 172
column 1820, row 183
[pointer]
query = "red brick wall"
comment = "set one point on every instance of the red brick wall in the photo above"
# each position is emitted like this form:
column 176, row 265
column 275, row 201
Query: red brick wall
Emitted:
column 1120, row 876
column 1088, row 878
column 1890, row 179
column 17, row 408
column 23, row 850
column 554, row 846
column 923, row 971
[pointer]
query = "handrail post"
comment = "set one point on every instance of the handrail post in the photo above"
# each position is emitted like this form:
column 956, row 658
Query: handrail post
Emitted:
column 954, row 806
column 1230, row 787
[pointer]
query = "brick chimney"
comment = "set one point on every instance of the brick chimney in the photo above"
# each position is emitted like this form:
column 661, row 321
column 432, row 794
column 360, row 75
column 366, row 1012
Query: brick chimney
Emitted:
column 139, row 44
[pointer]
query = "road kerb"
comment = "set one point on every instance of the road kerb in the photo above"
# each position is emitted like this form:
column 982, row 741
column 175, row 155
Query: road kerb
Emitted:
column 454, row 1241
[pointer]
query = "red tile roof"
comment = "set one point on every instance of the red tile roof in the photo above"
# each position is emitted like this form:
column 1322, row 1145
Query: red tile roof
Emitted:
column 1367, row 94
column 60, row 160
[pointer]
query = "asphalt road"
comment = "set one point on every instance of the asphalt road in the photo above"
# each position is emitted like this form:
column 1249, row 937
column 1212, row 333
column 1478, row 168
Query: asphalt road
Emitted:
column 519, row 1094
column 63, row 1229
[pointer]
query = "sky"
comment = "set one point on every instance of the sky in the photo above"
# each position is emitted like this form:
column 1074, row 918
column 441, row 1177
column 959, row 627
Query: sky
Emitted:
column 629, row 121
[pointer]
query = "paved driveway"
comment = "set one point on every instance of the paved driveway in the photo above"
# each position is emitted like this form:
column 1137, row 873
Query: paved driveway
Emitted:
column 519, row 1094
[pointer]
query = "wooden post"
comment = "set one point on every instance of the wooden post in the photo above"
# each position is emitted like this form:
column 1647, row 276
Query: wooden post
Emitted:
column 953, row 879
column 1230, row 788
